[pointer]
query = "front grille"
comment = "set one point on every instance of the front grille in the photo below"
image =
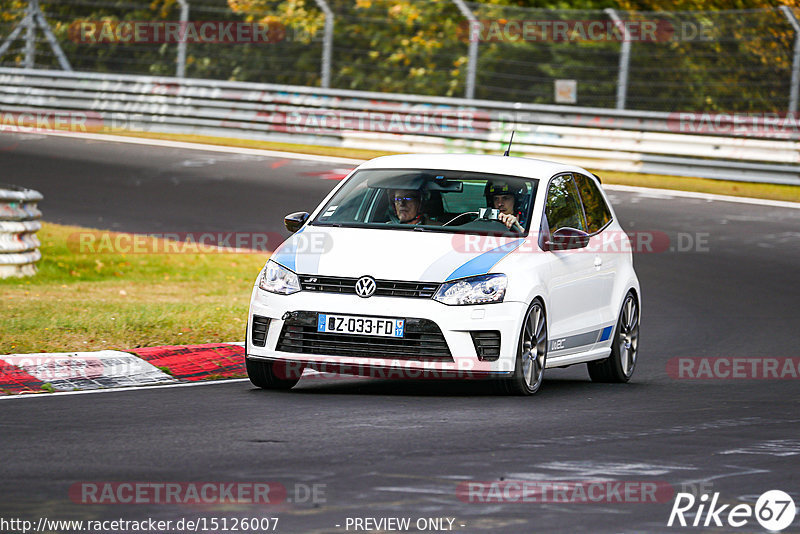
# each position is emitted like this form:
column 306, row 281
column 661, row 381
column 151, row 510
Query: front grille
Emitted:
column 487, row 344
column 385, row 288
column 260, row 327
column 422, row 341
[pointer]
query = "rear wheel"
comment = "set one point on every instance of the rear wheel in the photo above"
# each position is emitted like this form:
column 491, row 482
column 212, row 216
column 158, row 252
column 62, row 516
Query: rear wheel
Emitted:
column 531, row 354
column 624, row 349
column 273, row 375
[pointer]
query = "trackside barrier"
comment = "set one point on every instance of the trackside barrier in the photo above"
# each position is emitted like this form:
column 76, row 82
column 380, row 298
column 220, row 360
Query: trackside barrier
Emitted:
column 679, row 144
column 19, row 246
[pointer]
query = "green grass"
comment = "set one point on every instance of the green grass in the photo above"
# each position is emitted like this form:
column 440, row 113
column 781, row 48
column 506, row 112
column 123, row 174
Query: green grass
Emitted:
column 789, row 193
column 83, row 301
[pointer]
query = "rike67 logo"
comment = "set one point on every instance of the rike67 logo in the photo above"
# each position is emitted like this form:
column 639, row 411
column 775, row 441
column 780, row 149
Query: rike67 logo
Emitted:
column 774, row 510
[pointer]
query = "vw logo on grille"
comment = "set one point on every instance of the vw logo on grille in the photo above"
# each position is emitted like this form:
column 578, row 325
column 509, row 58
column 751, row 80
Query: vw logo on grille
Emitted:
column 365, row 286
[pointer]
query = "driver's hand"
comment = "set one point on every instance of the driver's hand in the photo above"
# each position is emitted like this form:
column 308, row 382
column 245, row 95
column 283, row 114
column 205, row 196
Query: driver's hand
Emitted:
column 507, row 219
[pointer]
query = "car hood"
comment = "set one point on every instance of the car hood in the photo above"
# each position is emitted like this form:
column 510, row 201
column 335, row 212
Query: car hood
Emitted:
column 392, row 254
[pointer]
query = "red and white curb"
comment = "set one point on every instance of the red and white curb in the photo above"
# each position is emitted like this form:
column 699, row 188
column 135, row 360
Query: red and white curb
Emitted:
column 79, row 371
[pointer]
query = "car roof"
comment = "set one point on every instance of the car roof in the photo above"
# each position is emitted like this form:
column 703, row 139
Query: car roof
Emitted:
column 490, row 164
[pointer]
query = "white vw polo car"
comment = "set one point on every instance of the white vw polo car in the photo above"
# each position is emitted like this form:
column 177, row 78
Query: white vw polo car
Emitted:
column 441, row 266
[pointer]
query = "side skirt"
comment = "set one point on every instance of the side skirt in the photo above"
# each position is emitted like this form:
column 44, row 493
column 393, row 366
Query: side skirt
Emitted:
column 580, row 357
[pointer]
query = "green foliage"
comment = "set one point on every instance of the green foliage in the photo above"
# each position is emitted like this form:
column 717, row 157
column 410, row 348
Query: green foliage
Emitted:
column 731, row 61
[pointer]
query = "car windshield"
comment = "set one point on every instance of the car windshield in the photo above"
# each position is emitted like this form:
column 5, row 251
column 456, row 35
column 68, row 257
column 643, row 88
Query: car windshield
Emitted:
column 434, row 200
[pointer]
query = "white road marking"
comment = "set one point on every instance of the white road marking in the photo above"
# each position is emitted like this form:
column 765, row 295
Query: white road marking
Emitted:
column 663, row 193
column 778, row 447
column 742, row 472
column 591, row 469
column 200, row 146
column 406, row 489
column 670, row 430
column 670, row 193
column 117, row 390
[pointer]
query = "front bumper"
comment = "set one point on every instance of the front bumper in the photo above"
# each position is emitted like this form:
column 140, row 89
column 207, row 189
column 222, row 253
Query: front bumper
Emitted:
column 455, row 323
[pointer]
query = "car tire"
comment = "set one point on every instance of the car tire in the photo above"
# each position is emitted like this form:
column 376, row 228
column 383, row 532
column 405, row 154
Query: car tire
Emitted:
column 273, row 375
column 531, row 354
column 619, row 366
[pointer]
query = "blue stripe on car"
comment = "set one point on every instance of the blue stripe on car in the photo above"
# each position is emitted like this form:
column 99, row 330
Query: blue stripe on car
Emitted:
column 286, row 254
column 606, row 333
column 483, row 263
column 581, row 340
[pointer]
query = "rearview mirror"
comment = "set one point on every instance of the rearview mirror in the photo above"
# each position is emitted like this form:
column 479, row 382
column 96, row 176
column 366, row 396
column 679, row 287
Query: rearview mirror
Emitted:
column 567, row 239
column 294, row 221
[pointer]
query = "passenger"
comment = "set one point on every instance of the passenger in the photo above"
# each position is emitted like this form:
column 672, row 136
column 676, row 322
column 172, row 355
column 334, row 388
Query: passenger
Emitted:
column 407, row 206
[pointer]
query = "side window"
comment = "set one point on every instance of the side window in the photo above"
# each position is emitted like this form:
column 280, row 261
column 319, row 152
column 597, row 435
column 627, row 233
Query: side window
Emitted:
column 595, row 207
column 563, row 208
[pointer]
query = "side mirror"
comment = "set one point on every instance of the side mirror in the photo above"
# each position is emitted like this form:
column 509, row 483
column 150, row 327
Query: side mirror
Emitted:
column 294, row 221
column 567, row 239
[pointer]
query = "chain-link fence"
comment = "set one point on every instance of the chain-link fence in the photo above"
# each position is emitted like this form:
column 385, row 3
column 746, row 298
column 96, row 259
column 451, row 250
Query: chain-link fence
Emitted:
column 744, row 60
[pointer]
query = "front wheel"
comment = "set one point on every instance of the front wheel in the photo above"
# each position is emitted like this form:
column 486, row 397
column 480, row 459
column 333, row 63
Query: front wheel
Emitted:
column 273, row 375
column 624, row 349
column 531, row 354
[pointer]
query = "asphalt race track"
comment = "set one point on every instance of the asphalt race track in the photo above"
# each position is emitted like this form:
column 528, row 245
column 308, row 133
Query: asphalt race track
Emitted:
column 381, row 449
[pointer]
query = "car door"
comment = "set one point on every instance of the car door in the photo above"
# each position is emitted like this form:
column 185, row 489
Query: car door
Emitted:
column 574, row 292
column 606, row 245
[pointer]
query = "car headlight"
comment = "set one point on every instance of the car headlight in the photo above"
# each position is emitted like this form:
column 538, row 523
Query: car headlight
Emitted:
column 276, row 278
column 475, row 290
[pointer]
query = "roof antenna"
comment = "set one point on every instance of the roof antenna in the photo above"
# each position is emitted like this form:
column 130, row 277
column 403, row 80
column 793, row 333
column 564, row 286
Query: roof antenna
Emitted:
column 509, row 142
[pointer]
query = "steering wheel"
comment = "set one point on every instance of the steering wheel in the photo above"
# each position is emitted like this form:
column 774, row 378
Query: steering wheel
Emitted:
column 451, row 221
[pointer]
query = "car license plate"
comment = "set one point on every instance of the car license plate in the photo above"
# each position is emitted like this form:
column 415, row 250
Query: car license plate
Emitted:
column 359, row 325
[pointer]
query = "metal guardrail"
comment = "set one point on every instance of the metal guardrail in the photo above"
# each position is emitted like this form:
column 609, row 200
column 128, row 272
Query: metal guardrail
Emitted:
column 598, row 138
column 712, row 59
column 19, row 246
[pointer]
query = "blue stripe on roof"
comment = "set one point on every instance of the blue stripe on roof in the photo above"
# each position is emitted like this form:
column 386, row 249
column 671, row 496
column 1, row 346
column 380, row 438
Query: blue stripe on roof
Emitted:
column 482, row 264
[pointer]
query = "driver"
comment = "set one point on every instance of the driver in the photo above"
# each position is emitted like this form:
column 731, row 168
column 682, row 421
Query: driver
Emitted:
column 407, row 206
column 506, row 199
